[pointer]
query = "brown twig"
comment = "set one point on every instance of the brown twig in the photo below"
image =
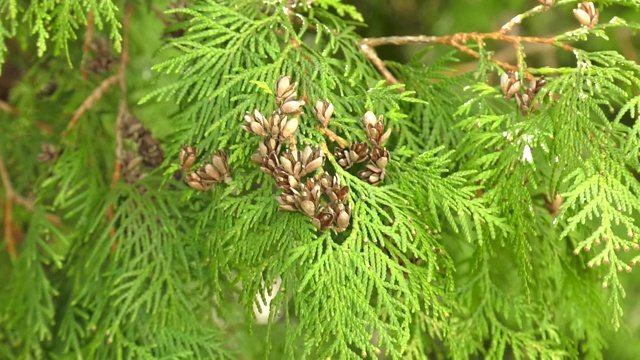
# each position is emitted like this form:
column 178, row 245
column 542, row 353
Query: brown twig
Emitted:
column 90, row 100
column 8, row 212
column 12, row 197
column 459, row 41
column 124, row 58
column 123, row 112
column 378, row 63
column 4, row 106
column 86, row 47
column 333, row 137
column 517, row 20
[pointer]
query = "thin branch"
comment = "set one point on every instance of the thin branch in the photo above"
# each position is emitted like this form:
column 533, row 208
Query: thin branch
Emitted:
column 462, row 38
column 124, row 58
column 8, row 230
column 333, row 137
column 4, row 106
column 123, row 112
column 459, row 41
column 8, row 211
column 90, row 100
column 86, row 47
column 378, row 63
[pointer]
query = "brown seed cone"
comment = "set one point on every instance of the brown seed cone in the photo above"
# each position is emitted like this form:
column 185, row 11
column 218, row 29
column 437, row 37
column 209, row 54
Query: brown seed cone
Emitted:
column 131, row 167
column 376, row 133
column 372, row 174
column 48, row 152
column 255, row 123
column 267, row 156
column 291, row 106
column 311, row 159
column 220, row 162
column 284, row 89
column 323, row 219
column 287, row 201
column 380, row 157
column 510, row 84
column 195, row 182
column 150, row 150
column 587, row 14
column 323, row 110
column 188, row 156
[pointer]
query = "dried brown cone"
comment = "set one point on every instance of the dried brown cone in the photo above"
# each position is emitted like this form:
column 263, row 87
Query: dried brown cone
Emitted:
column 102, row 60
column 285, row 89
column 374, row 127
column 291, row 106
column 300, row 163
column 131, row 167
column 188, row 156
column 323, row 110
column 256, row 123
column 287, row 201
column 526, row 102
column 285, row 181
column 536, row 84
column 216, row 171
column 341, row 214
column 307, row 198
column 150, row 150
column 372, row 174
column 323, row 219
column 48, row 152
column 510, row 84
column 587, row 14
column 148, row 146
column 332, row 187
column 356, row 153
column 380, row 157
column 196, row 182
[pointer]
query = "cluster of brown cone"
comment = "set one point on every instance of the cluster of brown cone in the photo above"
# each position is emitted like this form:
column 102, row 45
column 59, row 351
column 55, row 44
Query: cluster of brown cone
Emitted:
column 148, row 150
column 359, row 152
column 511, row 86
column 210, row 173
column 321, row 198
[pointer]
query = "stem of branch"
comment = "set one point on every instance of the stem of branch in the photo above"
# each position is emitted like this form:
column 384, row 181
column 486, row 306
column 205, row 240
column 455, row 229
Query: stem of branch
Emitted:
column 8, row 211
column 90, row 100
column 4, row 106
column 88, row 37
column 459, row 41
column 333, row 137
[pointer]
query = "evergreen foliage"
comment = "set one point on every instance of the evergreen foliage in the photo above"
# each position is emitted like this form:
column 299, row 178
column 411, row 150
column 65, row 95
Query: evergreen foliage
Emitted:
column 503, row 225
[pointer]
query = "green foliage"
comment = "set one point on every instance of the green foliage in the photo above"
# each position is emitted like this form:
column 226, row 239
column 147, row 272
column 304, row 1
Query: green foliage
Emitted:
column 498, row 232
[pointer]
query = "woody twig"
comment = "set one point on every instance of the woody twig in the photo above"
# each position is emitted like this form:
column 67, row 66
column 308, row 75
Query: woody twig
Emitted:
column 88, row 37
column 4, row 106
column 460, row 41
column 12, row 197
column 123, row 111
